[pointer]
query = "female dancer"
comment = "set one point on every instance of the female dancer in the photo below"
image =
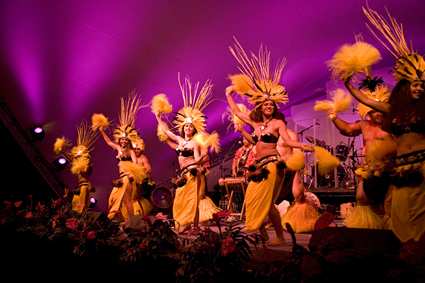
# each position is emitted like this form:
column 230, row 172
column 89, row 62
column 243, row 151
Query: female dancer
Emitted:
column 123, row 200
column 264, row 91
column 80, row 158
column 190, row 205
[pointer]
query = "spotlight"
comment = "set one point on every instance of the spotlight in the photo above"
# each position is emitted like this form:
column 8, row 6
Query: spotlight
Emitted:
column 60, row 163
column 37, row 133
column 38, row 130
column 92, row 202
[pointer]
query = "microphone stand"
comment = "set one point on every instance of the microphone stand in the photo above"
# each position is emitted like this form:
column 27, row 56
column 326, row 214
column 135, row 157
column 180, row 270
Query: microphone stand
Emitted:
column 301, row 133
column 354, row 161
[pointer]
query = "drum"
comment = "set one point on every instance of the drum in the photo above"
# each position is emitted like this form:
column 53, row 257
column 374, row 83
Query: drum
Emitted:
column 235, row 192
column 341, row 151
column 162, row 197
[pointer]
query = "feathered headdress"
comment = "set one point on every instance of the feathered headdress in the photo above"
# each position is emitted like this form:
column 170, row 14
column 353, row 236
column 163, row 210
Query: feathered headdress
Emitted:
column 409, row 65
column 79, row 155
column 127, row 117
column 194, row 102
column 138, row 143
column 256, row 80
column 375, row 89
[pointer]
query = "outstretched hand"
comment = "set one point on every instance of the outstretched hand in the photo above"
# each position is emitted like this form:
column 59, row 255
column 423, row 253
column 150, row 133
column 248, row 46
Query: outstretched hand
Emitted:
column 331, row 114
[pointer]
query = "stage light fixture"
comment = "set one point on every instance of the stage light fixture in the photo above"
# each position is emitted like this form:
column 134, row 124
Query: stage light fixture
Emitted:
column 92, row 202
column 60, row 163
column 38, row 133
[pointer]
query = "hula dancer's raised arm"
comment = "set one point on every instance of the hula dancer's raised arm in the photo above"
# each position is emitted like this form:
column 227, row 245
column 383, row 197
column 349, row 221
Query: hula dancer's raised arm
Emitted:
column 382, row 107
column 235, row 109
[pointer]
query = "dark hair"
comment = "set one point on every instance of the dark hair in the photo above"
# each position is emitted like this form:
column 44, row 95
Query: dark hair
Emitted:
column 403, row 106
column 280, row 116
column 195, row 131
column 256, row 115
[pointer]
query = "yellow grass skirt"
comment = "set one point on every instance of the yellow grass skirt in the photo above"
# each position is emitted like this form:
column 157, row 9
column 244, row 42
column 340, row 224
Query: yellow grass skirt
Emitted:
column 122, row 198
column 260, row 196
column 362, row 216
column 408, row 212
column 80, row 202
column 302, row 217
column 186, row 201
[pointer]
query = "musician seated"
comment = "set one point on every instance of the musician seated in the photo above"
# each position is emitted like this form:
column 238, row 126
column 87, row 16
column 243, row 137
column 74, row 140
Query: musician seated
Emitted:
column 244, row 157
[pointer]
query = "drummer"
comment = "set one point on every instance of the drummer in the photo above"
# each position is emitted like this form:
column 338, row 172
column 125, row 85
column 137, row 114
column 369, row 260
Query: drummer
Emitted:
column 244, row 157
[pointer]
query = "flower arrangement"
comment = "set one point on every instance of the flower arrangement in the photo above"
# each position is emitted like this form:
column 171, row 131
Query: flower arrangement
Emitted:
column 144, row 244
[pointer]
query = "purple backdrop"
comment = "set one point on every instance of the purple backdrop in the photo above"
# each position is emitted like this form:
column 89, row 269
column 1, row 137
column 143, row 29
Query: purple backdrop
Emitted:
column 61, row 61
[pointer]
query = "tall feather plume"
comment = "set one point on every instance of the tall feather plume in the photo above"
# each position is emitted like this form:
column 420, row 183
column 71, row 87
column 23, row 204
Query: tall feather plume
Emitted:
column 85, row 135
column 194, row 102
column 129, row 109
column 257, row 68
column 390, row 30
column 264, row 83
column 191, row 97
column 409, row 65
